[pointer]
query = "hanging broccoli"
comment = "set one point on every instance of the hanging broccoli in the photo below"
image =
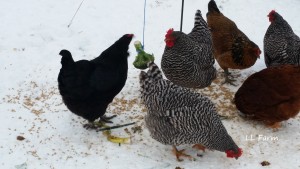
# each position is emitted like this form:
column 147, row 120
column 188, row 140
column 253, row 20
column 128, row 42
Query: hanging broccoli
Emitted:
column 142, row 58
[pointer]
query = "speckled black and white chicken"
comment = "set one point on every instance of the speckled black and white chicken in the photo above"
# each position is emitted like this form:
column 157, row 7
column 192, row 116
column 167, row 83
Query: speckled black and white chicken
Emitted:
column 188, row 59
column 176, row 115
column 281, row 44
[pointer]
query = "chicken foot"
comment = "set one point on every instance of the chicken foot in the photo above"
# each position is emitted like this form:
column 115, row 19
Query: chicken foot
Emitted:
column 179, row 153
column 274, row 125
column 106, row 119
column 94, row 125
column 199, row 147
column 99, row 124
column 227, row 79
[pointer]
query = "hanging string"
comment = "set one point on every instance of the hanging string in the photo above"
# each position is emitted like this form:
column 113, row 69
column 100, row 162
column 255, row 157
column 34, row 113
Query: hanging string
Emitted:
column 75, row 14
column 181, row 15
column 143, row 46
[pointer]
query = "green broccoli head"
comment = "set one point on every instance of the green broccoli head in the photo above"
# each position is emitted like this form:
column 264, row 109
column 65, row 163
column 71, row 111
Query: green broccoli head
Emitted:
column 142, row 58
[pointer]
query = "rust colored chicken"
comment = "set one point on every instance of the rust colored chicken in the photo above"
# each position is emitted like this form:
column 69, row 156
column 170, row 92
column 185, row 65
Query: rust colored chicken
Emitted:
column 231, row 47
column 271, row 95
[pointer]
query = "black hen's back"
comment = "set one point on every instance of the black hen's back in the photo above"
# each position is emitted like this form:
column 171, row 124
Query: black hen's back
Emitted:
column 87, row 87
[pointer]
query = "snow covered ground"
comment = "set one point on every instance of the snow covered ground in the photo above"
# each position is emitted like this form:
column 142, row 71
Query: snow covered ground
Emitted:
column 32, row 33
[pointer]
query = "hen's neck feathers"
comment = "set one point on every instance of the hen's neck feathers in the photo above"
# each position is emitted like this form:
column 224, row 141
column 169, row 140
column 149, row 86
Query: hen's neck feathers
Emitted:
column 279, row 25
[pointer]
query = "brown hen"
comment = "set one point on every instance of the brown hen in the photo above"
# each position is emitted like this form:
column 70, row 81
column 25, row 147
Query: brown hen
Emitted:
column 231, row 47
column 271, row 95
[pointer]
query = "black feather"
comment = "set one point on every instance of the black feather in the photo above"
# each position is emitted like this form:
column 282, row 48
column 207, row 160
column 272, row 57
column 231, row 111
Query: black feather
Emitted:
column 212, row 6
column 87, row 87
column 237, row 51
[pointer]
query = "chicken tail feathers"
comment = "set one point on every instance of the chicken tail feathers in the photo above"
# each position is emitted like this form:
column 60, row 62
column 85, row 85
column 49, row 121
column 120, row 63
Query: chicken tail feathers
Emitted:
column 154, row 71
column 115, row 51
column 199, row 21
column 212, row 6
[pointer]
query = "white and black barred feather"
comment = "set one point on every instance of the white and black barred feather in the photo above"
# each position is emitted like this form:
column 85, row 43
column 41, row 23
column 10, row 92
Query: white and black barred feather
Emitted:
column 190, row 62
column 281, row 44
column 176, row 115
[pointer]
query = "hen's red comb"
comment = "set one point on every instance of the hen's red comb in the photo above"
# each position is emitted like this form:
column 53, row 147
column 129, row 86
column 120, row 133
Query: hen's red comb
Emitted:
column 271, row 16
column 231, row 154
column 171, row 30
column 272, row 13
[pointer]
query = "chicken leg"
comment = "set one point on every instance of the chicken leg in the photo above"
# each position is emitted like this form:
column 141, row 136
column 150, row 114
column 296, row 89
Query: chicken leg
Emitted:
column 94, row 125
column 99, row 124
column 275, row 125
column 106, row 119
column 227, row 79
column 179, row 153
column 199, row 147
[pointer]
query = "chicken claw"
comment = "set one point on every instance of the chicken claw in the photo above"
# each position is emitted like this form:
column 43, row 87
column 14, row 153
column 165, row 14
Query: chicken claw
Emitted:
column 95, row 125
column 227, row 79
column 106, row 119
column 99, row 124
column 275, row 126
column 179, row 153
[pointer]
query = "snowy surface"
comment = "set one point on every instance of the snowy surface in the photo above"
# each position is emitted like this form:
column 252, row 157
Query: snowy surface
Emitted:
column 32, row 33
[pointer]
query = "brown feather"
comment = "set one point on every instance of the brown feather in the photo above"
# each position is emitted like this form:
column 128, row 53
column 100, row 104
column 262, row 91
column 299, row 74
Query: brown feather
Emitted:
column 271, row 95
column 224, row 35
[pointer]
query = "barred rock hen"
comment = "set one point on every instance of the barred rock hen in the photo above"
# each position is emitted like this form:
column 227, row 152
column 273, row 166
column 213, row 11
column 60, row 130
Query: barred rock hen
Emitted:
column 271, row 95
column 177, row 116
column 281, row 44
column 187, row 59
column 231, row 47
column 87, row 87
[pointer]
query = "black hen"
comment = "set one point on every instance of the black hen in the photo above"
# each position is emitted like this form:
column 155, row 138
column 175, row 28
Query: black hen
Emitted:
column 87, row 87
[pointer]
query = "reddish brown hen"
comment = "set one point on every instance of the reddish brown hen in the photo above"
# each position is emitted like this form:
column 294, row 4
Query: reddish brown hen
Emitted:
column 271, row 95
column 231, row 47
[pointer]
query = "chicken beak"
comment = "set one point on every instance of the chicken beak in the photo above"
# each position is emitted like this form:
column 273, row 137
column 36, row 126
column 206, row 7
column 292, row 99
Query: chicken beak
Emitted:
column 258, row 52
column 130, row 35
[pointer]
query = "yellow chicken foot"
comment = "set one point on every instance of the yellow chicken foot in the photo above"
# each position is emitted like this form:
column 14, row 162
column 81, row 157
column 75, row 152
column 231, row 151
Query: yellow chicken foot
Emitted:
column 179, row 153
column 275, row 126
column 199, row 147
